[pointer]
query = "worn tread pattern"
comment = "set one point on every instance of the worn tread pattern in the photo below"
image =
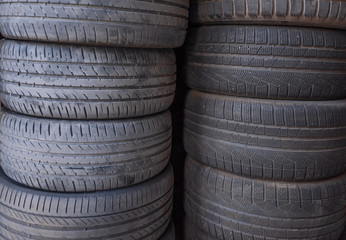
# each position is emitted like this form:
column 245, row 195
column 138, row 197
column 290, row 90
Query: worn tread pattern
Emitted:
column 141, row 211
column 73, row 82
column 82, row 156
column 125, row 23
column 268, row 139
column 228, row 206
column 317, row 13
column 169, row 234
column 267, row 62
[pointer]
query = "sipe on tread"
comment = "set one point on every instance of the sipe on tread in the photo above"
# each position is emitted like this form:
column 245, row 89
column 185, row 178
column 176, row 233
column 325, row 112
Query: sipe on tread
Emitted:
column 317, row 13
column 83, row 156
column 268, row 139
column 227, row 206
column 79, row 82
column 267, row 62
column 138, row 212
column 124, row 23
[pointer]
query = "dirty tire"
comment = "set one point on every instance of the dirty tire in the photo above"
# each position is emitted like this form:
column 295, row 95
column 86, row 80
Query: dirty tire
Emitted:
column 83, row 156
column 318, row 13
column 141, row 212
column 125, row 23
column 268, row 139
column 169, row 234
column 192, row 232
column 229, row 206
column 267, row 62
column 74, row 82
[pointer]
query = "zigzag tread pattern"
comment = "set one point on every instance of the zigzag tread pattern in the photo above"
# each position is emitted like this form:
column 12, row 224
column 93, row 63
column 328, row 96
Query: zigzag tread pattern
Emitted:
column 319, row 13
column 267, row 62
column 233, row 207
column 282, row 140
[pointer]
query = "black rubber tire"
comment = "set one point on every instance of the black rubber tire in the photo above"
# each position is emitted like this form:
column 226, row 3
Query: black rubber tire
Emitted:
column 192, row 232
column 267, row 62
column 228, row 206
column 318, row 13
column 141, row 212
column 125, row 23
column 269, row 139
column 84, row 156
column 169, row 233
column 73, row 82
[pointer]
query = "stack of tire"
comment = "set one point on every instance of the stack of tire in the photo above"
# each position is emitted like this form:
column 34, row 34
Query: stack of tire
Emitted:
column 86, row 134
column 265, row 126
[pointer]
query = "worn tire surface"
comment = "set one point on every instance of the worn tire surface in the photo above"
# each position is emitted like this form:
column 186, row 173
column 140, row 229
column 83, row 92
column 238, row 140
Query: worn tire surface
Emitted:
column 318, row 13
column 169, row 234
column 73, row 82
column 141, row 212
column 78, row 156
column 228, row 206
column 125, row 23
column 267, row 62
column 269, row 139
column 192, row 232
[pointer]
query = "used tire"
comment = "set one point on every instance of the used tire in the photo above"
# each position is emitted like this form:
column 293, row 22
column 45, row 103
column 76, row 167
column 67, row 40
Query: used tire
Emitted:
column 125, row 23
column 228, row 206
column 169, row 233
column 267, row 62
column 73, row 82
column 269, row 139
column 79, row 156
column 192, row 232
column 318, row 13
column 140, row 212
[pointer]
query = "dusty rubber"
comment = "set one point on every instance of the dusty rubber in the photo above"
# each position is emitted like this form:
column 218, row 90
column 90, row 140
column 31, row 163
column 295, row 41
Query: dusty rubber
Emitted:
column 74, row 82
column 169, row 234
column 268, row 139
column 141, row 212
column 192, row 232
column 267, row 62
column 125, row 23
column 317, row 13
column 83, row 156
column 228, row 206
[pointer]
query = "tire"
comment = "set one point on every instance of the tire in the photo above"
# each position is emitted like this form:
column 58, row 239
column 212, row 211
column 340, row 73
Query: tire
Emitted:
column 169, row 233
column 141, row 212
column 73, row 82
column 317, row 13
column 228, row 206
column 83, row 156
column 268, row 139
column 192, row 232
column 134, row 23
column 267, row 62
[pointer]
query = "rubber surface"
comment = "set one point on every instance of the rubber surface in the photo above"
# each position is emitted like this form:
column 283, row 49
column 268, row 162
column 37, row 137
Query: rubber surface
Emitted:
column 228, row 206
column 125, row 23
column 169, row 234
column 267, row 62
column 80, row 156
column 139, row 212
column 318, row 13
column 194, row 233
column 73, row 82
column 269, row 139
